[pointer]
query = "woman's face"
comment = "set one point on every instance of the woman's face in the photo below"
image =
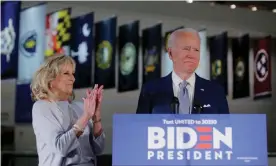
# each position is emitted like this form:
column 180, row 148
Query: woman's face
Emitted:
column 62, row 85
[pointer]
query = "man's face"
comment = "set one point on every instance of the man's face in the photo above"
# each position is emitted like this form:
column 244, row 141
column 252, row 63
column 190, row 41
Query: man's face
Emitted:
column 185, row 52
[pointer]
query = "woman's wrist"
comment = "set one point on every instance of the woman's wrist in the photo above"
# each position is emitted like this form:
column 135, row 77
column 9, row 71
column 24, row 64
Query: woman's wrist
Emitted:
column 78, row 130
column 97, row 120
column 97, row 128
column 83, row 120
column 98, row 132
column 96, row 117
column 80, row 125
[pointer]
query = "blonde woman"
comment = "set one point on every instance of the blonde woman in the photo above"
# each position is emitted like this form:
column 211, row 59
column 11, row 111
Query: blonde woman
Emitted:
column 67, row 132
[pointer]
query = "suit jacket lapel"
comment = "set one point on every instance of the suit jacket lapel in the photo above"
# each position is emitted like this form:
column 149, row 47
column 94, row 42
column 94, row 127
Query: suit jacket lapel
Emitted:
column 168, row 83
column 167, row 89
column 198, row 92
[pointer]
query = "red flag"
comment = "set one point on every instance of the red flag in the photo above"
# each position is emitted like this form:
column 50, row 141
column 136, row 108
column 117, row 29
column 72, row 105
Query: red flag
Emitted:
column 262, row 68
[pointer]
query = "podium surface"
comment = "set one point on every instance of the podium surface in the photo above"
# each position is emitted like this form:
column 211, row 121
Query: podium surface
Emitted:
column 189, row 140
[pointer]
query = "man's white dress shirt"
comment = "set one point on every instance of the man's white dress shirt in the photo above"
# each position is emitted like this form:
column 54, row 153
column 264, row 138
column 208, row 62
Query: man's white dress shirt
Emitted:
column 176, row 85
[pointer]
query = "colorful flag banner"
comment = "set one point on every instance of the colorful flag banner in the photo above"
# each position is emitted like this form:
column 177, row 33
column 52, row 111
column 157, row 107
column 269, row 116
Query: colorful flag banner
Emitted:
column 218, row 46
column 152, row 46
column 105, row 42
column 128, row 56
column 10, row 14
column 58, row 32
column 82, row 49
column 31, row 41
column 262, row 68
column 240, row 52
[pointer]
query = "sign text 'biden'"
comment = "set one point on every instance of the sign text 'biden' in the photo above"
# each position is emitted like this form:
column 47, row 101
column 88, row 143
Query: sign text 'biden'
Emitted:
column 197, row 140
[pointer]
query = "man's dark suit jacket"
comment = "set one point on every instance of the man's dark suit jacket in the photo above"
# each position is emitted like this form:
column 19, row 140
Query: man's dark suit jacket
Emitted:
column 156, row 97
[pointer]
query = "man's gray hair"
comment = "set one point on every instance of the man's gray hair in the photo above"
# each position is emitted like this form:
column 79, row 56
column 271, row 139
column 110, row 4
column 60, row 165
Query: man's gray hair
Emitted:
column 182, row 30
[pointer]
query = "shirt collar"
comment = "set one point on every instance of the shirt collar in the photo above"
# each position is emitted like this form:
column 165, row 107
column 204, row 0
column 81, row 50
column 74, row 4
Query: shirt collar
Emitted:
column 177, row 80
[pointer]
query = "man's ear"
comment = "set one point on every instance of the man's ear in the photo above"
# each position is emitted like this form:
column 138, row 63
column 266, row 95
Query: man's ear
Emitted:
column 169, row 51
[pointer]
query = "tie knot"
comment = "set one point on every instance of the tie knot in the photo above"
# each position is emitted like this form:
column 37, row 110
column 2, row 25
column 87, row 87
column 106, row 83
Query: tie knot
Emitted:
column 183, row 84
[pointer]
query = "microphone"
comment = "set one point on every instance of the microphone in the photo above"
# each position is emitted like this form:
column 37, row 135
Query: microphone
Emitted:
column 175, row 105
column 198, row 106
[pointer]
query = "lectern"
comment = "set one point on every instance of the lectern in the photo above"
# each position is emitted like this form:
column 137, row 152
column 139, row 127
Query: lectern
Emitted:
column 189, row 140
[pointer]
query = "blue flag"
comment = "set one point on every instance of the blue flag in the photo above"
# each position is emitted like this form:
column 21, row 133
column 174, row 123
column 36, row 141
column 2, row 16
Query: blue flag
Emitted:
column 218, row 46
column 24, row 104
column 105, row 43
column 128, row 56
column 190, row 140
column 152, row 47
column 81, row 49
column 10, row 12
column 240, row 54
column 31, row 41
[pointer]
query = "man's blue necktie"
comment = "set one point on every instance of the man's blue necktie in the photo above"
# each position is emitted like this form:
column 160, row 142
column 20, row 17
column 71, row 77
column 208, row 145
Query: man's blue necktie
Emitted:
column 184, row 100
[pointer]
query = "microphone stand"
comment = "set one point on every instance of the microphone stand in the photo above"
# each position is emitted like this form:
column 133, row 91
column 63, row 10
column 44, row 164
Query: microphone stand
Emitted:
column 198, row 107
column 175, row 105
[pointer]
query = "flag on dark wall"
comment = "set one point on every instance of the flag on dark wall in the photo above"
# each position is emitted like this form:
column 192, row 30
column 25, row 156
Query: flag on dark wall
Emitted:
column 58, row 32
column 152, row 45
column 24, row 104
column 262, row 68
column 218, row 46
column 240, row 53
column 105, row 43
column 128, row 56
column 31, row 42
column 82, row 48
column 10, row 14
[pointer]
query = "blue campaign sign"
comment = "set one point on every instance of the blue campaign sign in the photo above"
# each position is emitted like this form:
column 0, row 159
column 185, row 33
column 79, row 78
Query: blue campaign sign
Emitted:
column 189, row 140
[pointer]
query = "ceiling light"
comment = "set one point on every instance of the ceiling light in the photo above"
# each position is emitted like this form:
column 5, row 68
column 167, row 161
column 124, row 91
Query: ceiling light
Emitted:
column 233, row 6
column 254, row 8
column 189, row 1
column 274, row 10
column 212, row 3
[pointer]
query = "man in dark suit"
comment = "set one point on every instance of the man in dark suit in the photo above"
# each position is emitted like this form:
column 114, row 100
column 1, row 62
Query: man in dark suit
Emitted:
column 183, row 86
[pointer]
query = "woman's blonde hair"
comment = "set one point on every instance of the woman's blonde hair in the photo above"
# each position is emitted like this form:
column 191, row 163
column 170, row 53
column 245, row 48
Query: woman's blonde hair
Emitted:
column 40, row 86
